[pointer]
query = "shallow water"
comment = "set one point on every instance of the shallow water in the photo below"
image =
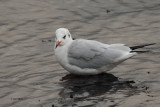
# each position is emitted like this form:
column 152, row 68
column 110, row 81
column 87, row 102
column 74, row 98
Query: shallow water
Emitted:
column 31, row 77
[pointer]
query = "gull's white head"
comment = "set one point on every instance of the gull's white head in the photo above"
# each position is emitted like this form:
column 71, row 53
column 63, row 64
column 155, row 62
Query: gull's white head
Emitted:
column 63, row 36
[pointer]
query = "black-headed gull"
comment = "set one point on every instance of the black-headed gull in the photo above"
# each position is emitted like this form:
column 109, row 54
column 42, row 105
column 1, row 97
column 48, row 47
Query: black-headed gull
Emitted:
column 89, row 57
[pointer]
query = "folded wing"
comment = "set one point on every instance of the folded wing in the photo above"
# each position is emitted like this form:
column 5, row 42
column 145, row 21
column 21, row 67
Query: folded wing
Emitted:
column 93, row 54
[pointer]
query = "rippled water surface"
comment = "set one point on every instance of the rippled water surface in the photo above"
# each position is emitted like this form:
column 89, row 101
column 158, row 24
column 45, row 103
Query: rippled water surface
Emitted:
column 31, row 77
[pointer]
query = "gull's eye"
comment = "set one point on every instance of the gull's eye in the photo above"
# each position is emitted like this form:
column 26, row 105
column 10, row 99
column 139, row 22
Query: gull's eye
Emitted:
column 64, row 36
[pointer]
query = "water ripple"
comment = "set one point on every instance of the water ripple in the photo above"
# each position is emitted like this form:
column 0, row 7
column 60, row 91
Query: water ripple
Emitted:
column 30, row 75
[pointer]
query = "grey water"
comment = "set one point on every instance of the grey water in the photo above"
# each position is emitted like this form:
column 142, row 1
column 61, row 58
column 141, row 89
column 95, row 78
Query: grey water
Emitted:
column 30, row 76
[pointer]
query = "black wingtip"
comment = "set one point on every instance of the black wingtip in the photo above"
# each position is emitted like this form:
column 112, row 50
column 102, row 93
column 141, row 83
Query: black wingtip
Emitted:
column 140, row 51
column 141, row 46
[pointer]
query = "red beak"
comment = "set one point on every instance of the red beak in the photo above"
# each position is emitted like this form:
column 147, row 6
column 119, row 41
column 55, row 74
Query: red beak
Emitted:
column 58, row 42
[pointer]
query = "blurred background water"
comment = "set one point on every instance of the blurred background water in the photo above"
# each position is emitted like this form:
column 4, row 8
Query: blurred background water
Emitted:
column 31, row 77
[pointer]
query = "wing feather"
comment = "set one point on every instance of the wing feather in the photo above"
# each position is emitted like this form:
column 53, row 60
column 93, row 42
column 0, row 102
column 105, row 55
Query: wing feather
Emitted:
column 93, row 54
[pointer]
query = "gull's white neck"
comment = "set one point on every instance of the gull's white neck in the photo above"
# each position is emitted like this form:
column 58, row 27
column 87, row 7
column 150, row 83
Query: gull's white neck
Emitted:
column 61, row 53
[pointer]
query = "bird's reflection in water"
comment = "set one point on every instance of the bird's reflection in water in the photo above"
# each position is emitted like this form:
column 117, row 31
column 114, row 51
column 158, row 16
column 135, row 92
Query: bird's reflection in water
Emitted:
column 79, row 88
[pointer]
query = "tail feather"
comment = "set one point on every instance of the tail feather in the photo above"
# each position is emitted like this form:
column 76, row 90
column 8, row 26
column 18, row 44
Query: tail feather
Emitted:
column 141, row 46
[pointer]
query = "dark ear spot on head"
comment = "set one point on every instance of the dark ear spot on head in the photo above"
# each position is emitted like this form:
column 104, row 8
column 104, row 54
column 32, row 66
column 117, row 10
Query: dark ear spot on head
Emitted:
column 64, row 36
column 69, row 35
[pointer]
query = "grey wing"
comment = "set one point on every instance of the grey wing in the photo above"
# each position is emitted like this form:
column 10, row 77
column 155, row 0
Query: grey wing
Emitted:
column 92, row 54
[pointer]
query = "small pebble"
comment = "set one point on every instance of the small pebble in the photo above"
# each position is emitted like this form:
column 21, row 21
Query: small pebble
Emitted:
column 146, row 88
column 107, row 11
column 71, row 96
column 43, row 40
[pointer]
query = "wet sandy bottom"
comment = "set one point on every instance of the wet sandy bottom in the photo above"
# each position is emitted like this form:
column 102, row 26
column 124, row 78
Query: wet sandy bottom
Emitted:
column 31, row 77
